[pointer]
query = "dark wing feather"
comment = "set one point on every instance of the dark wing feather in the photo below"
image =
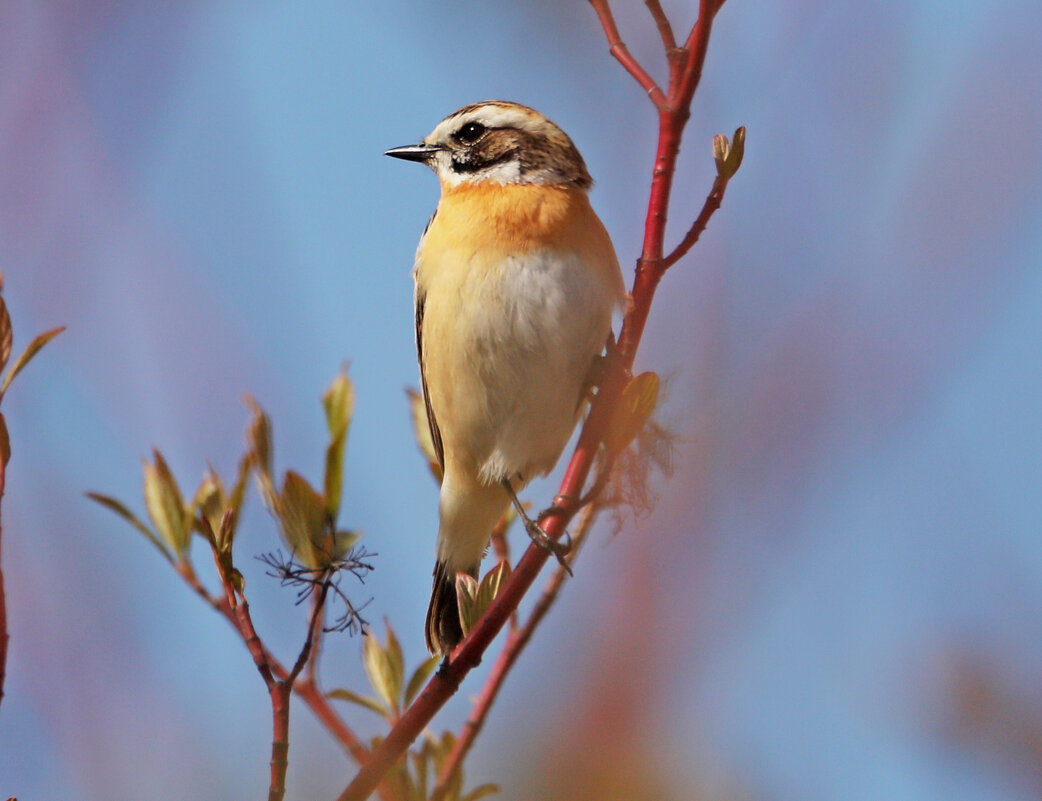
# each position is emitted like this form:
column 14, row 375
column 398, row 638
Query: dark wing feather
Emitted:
column 431, row 421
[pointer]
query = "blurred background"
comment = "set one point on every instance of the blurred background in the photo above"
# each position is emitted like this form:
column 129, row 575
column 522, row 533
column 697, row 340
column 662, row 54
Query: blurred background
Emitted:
column 838, row 594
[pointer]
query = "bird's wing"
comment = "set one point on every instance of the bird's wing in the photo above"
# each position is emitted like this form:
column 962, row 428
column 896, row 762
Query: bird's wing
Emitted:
column 431, row 421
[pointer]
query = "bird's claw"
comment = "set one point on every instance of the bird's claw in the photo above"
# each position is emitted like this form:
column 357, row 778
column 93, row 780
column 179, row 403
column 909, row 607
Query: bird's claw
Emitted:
column 559, row 548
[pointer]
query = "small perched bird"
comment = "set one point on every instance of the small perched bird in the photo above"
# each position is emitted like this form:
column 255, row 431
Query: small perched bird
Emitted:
column 516, row 283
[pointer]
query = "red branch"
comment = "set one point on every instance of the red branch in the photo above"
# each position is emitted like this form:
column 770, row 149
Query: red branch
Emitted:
column 665, row 30
column 622, row 54
column 306, row 689
column 278, row 681
column 674, row 111
column 516, row 642
column 716, row 196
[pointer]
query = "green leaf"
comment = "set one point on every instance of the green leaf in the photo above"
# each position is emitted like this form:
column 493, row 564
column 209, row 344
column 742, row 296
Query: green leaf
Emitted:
column 445, row 744
column 395, row 662
column 209, row 500
column 6, row 334
column 165, row 505
column 419, row 678
column 5, row 441
column 481, row 791
column 302, row 512
column 343, row 541
column 339, row 403
column 226, row 532
column 238, row 492
column 489, row 588
column 333, row 477
column 729, row 155
column 258, row 437
column 721, row 150
column 734, row 159
column 422, row 430
column 130, row 517
column 442, row 748
column 367, row 701
column 420, row 760
column 378, row 668
column 27, row 355
column 466, row 593
column 632, row 411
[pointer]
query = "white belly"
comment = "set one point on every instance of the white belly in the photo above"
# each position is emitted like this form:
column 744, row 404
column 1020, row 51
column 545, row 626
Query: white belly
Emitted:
column 505, row 378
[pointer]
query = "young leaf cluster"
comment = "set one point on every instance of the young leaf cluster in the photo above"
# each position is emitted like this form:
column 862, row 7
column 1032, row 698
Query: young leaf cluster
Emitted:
column 412, row 778
column 729, row 154
column 474, row 597
column 307, row 517
column 415, row 775
column 6, row 345
column 385, row 668
column 212, row 511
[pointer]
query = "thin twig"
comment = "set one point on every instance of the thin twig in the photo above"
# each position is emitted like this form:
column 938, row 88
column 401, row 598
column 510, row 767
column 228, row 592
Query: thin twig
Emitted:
column 697, row 46
column 665, row 30
column 316, row 647
column 261, row 657
column 308, row 691
column 313, row 623
column 622, row 54
column 712, row 203
column 187, row 572
column 280, row 695
column 515, row 644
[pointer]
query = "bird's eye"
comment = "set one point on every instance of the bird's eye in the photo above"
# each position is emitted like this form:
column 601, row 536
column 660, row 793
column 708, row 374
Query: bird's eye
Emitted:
column 470, row 133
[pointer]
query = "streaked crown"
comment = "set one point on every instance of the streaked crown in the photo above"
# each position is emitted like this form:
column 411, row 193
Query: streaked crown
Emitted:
column 499, row 142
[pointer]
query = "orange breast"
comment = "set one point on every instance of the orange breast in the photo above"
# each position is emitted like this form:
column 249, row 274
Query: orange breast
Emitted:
column 494, row 219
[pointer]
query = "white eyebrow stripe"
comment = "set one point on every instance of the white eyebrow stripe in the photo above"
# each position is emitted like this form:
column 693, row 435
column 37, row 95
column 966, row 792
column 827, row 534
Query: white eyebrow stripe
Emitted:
column 491, row 116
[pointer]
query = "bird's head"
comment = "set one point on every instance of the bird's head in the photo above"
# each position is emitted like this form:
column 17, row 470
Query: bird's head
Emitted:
column 502, row 143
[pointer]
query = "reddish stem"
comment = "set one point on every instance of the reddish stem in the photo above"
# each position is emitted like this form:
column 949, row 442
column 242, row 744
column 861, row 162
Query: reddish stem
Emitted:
column 307, row 690
column 280, row 693
column 622, row 54
column 665, row 30
column 278, row 681
column 697, row 46
column 516, row 642
column 716, row 196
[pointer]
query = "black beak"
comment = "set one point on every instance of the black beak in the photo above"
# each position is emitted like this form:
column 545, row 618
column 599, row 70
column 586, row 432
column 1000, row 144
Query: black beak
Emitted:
column 421, row 152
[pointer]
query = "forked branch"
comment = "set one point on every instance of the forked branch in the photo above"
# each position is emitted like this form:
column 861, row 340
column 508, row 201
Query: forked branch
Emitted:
column 622, row 54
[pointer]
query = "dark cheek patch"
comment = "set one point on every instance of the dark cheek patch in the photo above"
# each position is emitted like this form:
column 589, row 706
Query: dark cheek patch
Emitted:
column 496, row 147
column 532, row 153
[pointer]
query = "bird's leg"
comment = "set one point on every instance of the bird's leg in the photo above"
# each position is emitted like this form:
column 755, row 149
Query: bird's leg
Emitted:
column 538, row 533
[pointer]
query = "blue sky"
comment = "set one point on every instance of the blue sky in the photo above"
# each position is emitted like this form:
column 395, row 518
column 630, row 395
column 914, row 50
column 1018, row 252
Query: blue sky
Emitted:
column 197, row 191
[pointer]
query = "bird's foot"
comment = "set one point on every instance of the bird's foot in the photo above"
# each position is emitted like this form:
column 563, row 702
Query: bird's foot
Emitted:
column 559, row 548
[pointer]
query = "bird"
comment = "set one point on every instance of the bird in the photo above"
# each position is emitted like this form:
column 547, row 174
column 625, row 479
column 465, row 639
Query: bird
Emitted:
column 516, row 283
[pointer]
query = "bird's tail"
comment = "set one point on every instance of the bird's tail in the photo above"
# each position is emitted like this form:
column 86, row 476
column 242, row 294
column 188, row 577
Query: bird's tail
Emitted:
column 444, row 631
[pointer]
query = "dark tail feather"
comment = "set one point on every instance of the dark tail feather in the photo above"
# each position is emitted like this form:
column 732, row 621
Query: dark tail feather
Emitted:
column 443, row 627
